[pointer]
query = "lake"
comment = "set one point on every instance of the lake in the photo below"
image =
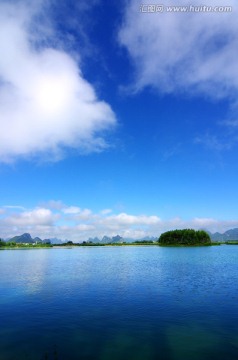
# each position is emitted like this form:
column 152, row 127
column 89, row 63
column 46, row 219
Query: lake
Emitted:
column 114, row 303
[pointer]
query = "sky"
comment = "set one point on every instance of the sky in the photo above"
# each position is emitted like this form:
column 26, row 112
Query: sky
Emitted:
column 117, row 118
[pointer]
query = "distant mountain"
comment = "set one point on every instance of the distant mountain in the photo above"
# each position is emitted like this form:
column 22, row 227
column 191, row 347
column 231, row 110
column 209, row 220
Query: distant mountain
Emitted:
column 37, row 240
column 231, row 234
column 113, row 239
column 46, row 241
column 119, row 239
column 27, row 239
column 94, row 240
column 57, row 241
column 106, row 239
column 24, row 238
column 149, row 238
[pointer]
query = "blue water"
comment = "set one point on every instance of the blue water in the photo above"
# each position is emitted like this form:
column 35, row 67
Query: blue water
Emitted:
column 119, row 303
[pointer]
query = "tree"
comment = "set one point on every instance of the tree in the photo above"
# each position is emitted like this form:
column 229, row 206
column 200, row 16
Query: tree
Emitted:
column 69, row 243
column 185, row 237
column 2, row 243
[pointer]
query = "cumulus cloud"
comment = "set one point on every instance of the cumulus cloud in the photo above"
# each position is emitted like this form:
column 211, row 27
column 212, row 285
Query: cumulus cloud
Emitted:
column 48, row 223
column 183, row 52
column 38, row 216
column 76, row 213
column 126, row 219
column 46, row 105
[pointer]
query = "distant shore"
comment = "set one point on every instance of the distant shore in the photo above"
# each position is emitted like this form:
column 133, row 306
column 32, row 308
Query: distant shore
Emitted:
column 74, row 245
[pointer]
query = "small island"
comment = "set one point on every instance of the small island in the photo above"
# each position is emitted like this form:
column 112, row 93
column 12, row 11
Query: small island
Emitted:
column 185, row 237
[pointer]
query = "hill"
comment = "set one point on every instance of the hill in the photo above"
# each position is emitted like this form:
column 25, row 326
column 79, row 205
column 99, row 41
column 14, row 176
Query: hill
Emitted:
column 27, row 239
column 231, row 234
column 24, row 238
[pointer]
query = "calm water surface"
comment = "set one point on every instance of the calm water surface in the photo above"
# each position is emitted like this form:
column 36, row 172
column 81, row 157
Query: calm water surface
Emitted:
column 119, row 303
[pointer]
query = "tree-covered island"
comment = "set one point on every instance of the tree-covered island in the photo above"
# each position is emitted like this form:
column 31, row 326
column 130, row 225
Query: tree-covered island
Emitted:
column 185, row 237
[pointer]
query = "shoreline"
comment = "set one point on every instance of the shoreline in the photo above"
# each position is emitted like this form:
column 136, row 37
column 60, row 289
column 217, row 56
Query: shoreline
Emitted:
column 71, row 246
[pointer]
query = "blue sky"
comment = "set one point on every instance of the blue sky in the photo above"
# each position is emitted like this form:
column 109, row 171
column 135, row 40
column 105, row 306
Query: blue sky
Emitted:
column 115, row 121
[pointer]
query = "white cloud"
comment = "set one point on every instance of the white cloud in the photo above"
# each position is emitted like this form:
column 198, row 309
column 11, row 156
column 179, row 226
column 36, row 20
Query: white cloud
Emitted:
column 106, row 211
column 71, row 210
column 214, row 142
column 183, row 52
column 53, row 204
column 130, row 220
column 75, row 213
column 45, row 103
column 14, row 207
column 38, row 216
column 84, row 227
column 84, row 214
column 205, row 221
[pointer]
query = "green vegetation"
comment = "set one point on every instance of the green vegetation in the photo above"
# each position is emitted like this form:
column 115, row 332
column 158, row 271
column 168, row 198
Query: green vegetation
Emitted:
column 90, row 243
column 185, row 237
column 14, row 245
column 2, row 243
column 143, row 242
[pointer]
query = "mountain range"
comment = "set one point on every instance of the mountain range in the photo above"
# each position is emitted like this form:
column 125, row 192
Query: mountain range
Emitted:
column 118, row 239
column 27, row 239
column 231, row 234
